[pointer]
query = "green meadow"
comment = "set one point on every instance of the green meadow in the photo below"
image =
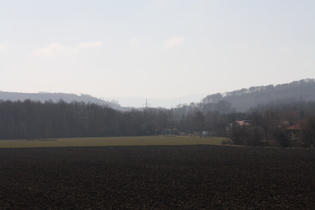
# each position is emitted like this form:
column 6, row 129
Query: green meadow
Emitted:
column 112, row 141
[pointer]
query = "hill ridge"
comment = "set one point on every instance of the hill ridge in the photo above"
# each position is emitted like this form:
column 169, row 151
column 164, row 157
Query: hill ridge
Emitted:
column 246, row 98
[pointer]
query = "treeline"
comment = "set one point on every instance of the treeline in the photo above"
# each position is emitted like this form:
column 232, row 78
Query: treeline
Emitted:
column 43, row 120
column 30, row 119
column 263, row 125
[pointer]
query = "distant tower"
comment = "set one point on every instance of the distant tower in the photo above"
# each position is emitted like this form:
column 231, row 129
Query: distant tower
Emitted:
column 146, row 104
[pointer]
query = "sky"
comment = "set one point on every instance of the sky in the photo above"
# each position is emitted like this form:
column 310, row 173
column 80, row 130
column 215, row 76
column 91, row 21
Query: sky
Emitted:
column 154, row 48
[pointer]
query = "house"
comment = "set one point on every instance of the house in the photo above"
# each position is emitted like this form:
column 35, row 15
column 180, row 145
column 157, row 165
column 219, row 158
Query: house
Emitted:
column 294, row 128
column 238, row 124
column 243, row 123
column 295, row 133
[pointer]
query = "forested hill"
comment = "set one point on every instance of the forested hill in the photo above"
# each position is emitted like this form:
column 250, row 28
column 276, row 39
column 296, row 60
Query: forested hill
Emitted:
column 55, row 97
column 246, row 98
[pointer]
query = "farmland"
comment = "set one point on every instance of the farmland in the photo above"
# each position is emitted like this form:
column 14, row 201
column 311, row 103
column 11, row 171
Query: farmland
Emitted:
column 157, row 177
column 111, row 141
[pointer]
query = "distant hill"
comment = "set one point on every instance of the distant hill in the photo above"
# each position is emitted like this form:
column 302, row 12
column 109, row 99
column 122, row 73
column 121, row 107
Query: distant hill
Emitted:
column 246, row 98
column 55, row 97
column 239, row 100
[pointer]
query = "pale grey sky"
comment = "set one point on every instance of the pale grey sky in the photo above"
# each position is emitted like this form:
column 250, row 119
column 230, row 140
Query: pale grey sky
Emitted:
column 154, row 48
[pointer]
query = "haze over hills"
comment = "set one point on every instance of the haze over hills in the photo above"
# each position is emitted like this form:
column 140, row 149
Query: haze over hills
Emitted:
column 119, row 103
column 239, row 100
column 139, row 102
column 55, row 97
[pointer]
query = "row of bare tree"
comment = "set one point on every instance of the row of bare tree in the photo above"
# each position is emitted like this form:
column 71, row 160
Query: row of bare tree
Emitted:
column 30, row 119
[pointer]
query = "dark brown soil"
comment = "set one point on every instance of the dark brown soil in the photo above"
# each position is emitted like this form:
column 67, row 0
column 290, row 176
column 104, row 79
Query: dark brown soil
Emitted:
column 157, row 177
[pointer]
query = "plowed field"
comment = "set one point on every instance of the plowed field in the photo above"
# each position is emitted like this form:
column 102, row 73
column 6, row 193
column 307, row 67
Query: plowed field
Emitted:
column 157, row 177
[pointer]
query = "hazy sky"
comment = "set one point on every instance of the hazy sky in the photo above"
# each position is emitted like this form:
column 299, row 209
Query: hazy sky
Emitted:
column 154, row 48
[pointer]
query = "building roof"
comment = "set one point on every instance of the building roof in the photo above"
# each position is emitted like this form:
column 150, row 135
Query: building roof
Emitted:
column 243, row 122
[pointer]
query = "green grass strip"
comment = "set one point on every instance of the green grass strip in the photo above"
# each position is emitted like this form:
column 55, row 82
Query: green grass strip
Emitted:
column 112, row 141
